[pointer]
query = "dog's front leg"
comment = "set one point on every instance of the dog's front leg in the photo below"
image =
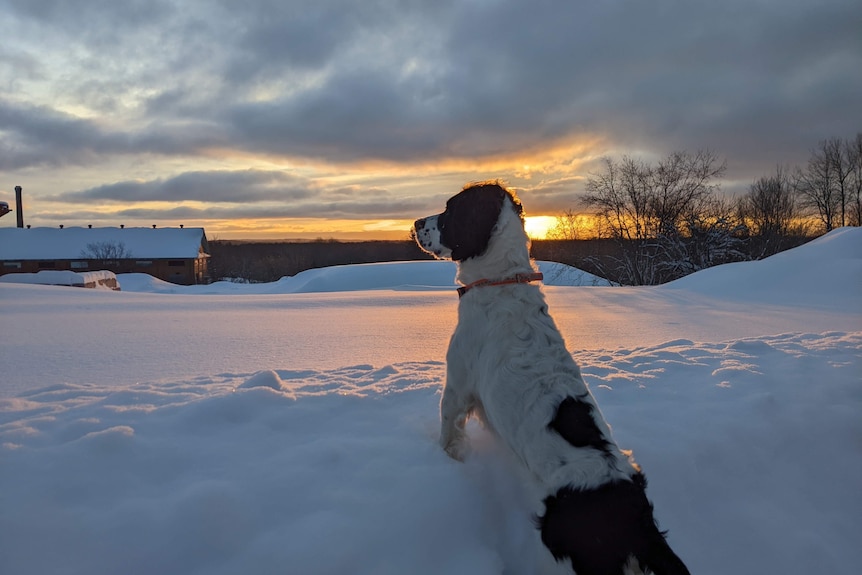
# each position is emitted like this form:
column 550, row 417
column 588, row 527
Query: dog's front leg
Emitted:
column 455, row 408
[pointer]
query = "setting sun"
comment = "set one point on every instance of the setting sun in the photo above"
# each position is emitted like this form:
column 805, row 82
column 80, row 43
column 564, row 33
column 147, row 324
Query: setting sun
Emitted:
column 538, row 226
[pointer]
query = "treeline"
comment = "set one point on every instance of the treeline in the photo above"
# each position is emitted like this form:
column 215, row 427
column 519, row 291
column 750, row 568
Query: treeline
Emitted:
column 270, row 261
column 667, row 219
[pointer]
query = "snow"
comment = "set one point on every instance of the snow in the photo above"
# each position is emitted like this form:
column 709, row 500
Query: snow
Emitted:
column 61, row 278
column 290, row 428
column 410, row 276
column 814, row 273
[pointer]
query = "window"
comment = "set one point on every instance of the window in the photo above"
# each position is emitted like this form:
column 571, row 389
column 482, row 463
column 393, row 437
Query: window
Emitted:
column 47, row 265
column 13, row 265
column 79, row 265
column 143, row 263
column 176, row 263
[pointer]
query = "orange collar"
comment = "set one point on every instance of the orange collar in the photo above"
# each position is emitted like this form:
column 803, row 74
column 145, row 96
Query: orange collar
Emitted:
column 518, row 279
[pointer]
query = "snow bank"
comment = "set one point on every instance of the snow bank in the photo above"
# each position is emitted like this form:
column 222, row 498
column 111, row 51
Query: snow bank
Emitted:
column 825, row 268
column 297, row 445
column 92, row 279
column 405, row 276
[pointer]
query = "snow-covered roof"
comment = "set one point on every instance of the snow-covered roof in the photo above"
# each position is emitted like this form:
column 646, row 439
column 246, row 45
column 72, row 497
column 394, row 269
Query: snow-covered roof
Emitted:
column 73, row 242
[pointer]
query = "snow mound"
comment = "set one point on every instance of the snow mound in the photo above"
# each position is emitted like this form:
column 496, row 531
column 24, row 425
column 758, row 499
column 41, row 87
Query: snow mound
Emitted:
column 388, row 275
column 98, row 279
column 266, row 378
column 403, row 276
column 826, row 267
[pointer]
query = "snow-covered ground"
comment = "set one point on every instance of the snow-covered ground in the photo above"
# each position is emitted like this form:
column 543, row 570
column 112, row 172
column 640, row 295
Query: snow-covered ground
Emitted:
column 291, row 427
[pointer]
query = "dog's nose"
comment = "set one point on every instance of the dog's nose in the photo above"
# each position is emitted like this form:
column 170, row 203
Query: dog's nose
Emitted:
column 419, row 224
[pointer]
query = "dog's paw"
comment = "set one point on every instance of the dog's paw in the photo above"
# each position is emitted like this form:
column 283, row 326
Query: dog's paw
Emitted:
column 457, row 449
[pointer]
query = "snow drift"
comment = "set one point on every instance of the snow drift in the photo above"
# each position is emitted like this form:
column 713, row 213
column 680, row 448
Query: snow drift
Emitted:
column 302, row 436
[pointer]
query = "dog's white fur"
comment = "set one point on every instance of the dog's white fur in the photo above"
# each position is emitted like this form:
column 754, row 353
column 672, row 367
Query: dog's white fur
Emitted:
column 508, row 365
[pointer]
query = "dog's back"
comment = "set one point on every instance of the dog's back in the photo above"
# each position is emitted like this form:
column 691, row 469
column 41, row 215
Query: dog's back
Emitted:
column 509, row 349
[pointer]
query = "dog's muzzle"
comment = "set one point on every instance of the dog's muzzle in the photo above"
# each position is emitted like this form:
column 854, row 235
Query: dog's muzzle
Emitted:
column 428, row 236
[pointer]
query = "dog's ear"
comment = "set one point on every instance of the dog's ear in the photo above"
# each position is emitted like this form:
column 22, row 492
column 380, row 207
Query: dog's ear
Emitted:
column 470, row 217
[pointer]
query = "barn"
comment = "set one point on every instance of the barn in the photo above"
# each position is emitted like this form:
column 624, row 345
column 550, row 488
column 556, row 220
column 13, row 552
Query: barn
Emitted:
column 177, row 255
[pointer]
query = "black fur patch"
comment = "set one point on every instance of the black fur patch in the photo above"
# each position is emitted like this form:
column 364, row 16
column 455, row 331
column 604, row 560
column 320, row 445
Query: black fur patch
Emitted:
column 574, row 421
column 599, row 529
column 470, row 216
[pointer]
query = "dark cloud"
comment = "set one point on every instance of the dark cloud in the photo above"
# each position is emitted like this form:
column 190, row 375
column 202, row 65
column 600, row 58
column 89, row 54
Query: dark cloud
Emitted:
column 249, row 186
column 39, row 135
column 87, row 15
column 372, row 208
column 248, row 194
column 548, row 196
column 36, row 135
column 738, row 77
column 280, row 36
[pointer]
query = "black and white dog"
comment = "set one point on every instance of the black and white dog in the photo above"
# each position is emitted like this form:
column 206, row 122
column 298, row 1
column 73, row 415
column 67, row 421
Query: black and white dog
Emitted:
column 507, row 364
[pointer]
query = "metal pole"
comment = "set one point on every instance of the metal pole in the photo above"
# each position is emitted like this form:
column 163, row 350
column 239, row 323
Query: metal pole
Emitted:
column 19, row 207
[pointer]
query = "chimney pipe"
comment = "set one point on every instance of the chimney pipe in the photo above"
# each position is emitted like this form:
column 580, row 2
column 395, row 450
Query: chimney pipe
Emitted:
column 19, row 207
column 122, row 226
column 90, row 226
column 61, row 226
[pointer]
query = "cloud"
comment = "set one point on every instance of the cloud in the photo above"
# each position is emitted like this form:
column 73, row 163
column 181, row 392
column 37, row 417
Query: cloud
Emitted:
column 248, row 186
column 401, row 82
column 398, row 81
column 374, row 208
column 243, row 193
column 41, row 136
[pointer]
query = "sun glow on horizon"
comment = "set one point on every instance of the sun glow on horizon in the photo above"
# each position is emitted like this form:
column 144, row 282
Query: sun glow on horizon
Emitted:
column 537, row 227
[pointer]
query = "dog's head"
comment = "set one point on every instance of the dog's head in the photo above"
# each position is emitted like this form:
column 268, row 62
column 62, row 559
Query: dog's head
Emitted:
column 465, row 228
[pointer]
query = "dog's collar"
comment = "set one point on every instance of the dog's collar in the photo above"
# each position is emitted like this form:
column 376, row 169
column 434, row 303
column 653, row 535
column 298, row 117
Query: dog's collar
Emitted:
column 518, row 279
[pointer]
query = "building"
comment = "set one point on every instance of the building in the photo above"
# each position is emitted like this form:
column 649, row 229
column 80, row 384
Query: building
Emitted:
column 178, row 255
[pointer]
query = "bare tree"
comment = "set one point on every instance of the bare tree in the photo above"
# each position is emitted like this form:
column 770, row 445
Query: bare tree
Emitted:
column 854, row 155
column 569, row 226
column 837, row 153
column 620, row 197
column 819, row 185
column 106, row 251
column 682, row 184
column 651, row 211
column 711, row 235
column 769, row 212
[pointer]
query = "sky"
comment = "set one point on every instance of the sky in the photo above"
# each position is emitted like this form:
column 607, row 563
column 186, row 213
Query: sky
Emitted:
column 295, row 429
column 285, row 119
